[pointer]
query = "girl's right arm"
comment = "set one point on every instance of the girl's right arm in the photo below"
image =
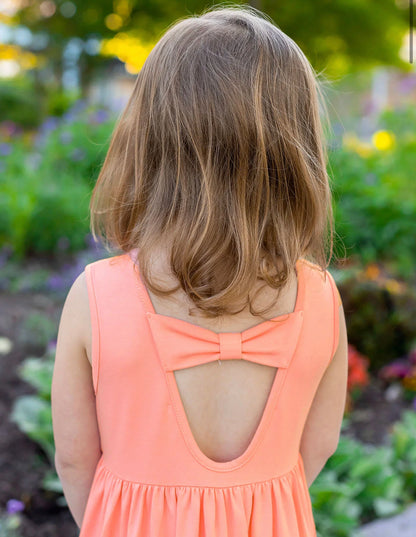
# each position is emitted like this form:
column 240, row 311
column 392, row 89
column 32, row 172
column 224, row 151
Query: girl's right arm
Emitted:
column 323, row 426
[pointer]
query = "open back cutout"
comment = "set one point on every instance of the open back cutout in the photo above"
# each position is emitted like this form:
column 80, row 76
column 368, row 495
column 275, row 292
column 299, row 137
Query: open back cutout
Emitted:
column 223, row 409
column 224, row 404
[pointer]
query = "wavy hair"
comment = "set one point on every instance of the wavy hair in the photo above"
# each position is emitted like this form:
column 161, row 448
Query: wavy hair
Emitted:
column 219, row 153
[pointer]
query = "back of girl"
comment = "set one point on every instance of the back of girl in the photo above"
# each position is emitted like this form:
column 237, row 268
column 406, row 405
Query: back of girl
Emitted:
column 201, row 369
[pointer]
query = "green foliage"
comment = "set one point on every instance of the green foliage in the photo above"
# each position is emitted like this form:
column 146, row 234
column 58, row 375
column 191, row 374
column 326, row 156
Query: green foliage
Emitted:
column 10, row 525
column 65, row 203
column 380, row 323
column 404, row 449
column 33, row 414
column 20, row 102
column 360, row 483
column 375, row 198
column 346, row 35
column 46, row 188
column 37, row 330
column 58, row 101
column 38, row 373
column 17, row 278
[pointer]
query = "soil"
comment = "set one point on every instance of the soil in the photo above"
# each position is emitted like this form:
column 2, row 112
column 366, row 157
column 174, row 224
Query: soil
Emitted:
column 22, row 462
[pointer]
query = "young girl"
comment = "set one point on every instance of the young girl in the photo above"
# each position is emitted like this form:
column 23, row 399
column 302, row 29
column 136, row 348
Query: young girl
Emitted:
column 200, row 374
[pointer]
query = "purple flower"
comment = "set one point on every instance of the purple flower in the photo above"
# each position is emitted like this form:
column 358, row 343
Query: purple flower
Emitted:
column 5, row 149
column 89, row 240
column 51, row 346
column 69, row 116
column 99, row 116
column 407, row 84
column 65, row 137
column 55, row 283
column 396, row 369
column 78, row 106
column 14, row 506
column 78, row 154
column 49, row 124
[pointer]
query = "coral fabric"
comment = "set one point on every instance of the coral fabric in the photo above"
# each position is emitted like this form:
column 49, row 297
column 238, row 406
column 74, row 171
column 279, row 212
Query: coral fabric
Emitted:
column 152, row 480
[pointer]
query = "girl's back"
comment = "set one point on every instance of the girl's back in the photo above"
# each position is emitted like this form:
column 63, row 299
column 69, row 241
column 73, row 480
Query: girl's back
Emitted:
column 192, row 446
column 215, row 186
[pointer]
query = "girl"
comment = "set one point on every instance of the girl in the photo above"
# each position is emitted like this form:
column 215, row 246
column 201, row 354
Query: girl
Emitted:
column 176, row 410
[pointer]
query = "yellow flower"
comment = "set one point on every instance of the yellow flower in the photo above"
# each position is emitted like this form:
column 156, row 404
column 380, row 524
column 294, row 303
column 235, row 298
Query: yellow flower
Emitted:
column 351, row 141
column 393, row 286
column 364, row 150
column 409, row 382
column 383, row 140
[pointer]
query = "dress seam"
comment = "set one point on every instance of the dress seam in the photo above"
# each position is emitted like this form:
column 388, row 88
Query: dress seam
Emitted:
column 287, row 474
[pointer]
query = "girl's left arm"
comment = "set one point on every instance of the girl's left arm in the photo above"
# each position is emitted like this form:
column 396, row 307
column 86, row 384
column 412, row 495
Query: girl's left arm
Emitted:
column 75, row 426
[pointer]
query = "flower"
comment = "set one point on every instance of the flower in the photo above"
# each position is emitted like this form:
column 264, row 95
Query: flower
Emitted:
column 65, row 137
column 6, row 345
column 5, row 149
column 99, row 116
column 55, row 283
column 393, row 286
column 357, row 368
column 407, row 84
column 49, row 124
column 14, row 506
column 383, row 140
column 372, row 271
column 409, row 382
column 351, row 141
column 397, row 369
column 51, row 348
column 78, row 154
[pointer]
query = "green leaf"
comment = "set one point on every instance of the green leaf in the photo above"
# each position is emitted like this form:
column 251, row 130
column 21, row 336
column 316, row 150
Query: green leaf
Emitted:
column 385, row 508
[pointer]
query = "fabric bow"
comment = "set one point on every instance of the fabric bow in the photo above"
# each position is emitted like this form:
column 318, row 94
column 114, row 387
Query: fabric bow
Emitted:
column 181, row 344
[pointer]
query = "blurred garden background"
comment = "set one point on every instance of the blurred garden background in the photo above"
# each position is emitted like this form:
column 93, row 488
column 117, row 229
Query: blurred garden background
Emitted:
column 67, row 67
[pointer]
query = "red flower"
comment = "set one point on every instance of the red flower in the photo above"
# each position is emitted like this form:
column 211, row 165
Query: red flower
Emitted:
column 357, row 368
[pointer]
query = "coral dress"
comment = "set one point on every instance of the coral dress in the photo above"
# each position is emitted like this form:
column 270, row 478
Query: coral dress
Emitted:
column 152, row 479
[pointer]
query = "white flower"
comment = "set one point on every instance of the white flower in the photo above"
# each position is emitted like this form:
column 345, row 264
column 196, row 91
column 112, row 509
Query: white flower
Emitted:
column 5, row 345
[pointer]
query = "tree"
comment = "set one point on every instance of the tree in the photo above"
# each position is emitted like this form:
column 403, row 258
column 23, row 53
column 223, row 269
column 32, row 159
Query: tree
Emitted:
column 338, row 36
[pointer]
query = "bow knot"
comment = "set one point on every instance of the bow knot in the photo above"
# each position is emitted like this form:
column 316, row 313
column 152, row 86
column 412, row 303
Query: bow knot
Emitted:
column 230, row 345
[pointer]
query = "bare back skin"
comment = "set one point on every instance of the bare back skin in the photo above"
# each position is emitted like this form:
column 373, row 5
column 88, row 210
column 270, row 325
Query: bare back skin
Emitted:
column 223, row 402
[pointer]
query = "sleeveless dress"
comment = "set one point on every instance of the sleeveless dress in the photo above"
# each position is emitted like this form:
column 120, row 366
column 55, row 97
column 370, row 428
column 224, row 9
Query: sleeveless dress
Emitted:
column 152, row 480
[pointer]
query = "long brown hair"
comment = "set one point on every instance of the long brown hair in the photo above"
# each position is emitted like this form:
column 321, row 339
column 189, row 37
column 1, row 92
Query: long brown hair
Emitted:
column 220, row 152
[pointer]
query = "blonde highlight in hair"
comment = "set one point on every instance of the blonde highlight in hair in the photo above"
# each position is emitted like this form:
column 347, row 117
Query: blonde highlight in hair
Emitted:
column 219, row 153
